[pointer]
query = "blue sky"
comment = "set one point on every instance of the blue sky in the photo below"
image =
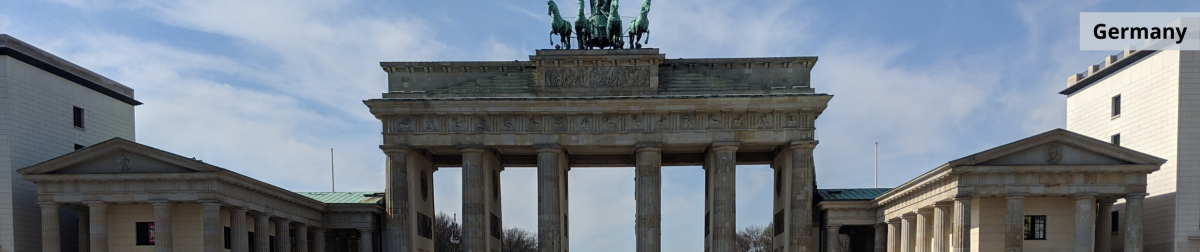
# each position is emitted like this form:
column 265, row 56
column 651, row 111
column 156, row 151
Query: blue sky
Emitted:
column 265, row 88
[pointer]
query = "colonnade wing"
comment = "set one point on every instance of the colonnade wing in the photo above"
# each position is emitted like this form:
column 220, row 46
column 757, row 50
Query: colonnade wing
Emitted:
column 126, row 181
column 1057, row 169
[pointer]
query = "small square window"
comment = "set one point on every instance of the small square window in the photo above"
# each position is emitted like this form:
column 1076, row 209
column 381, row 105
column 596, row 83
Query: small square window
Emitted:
column 1116, row 105
column 1116, row 139
column 78, row 117
column 1035, row 227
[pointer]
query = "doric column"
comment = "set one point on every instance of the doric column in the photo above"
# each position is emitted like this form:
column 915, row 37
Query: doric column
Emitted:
column 924, row 231
column 1085, row 217
column 800, row 204
column 908, row 228
column 894, row 230
column 398, row 231
column 648, row 194
column 1133, row 222
column 724, row 197
column 97, row 226
column 364, row 240
column 50, row 235
column 283, row 237
column 833, row 241
column 941, row 226
column 962, row 224
column 474, row 235
column 163, row 235
column 85, row 228
column 301, row 237
column 881, row 237
column 1104, row 225
column 549, row 211
column 238, row 240
column 262, row 232
column 318, row 240
column 213, row 234
column 1014, row 223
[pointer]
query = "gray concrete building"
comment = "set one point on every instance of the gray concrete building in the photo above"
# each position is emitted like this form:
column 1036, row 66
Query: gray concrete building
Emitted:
column 48, row 107
column 1148, row 101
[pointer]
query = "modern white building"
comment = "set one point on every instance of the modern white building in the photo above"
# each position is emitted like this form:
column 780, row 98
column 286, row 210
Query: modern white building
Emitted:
column 48, row 107
column 1148, row 101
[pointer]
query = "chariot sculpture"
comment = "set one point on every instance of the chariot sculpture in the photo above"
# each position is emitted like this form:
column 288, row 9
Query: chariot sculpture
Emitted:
column 601, row 28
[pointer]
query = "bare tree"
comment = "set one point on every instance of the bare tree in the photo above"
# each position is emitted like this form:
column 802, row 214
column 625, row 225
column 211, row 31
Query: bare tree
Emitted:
column 446, row 234
column 518, row 240
column 755, row 238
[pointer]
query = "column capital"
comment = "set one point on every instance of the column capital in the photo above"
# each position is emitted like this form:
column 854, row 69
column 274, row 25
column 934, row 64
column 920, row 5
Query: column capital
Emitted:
column 95, row 203
column 208, row 202
column 804, row 144
column 943, row 204
column 159, row 202
column 544, row 149
column 1084, row 196
column 725, row 146
column 648, row 146
column 924, row 211
column 909, row 216
column 547, row 146
column 395, row 149
column 1015, row 195
column 365, row 229
column 1137, row 195
column 472, row 147
column 49, row 204
column 895, row 221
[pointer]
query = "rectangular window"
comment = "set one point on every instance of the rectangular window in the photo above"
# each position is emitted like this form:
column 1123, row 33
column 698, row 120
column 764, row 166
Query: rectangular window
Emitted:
column 779, row 225
column 424, row 226
column 144, row 233
column 1116, row 105
column 496, row 228
column 78, row 117
column 227, row 238
column 271, row 243
column 78, row 146
column 1116, row 219
column 1035, row 227
column 1116, row 139
column 250, row 239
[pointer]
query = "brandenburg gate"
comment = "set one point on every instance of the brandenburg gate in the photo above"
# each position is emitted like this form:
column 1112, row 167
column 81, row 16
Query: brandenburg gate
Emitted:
column 597, row 108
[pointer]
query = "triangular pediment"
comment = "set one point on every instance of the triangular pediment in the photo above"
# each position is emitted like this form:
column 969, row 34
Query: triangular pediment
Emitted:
column 117, row 156
column 1057, row 147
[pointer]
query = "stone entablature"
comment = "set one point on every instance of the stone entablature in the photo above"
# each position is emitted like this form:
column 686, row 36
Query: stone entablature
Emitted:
column 584, row 73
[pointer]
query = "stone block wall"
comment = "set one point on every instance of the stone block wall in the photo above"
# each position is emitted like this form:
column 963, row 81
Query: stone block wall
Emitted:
column 36, row 125
column 1151, row 121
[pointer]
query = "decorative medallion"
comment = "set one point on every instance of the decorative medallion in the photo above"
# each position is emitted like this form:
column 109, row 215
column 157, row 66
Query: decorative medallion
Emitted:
column 1053, row 152
column 457, row 124
column 560, row 123
column 124, row 162
column 481, row 124
column 714, row 121
column 430, row 125
column 404, row 125
column 506, row 124
column 636, row 120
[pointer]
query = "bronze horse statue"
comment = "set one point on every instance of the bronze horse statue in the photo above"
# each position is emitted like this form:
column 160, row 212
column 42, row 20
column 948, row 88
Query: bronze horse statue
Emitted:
column 640, row 25
column 559, row 26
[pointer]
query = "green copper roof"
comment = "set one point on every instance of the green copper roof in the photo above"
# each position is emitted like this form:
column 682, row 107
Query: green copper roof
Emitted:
column 345, row 197
column 856, row 194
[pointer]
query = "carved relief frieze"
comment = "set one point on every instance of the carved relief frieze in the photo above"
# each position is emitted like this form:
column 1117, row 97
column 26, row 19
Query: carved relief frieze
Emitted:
column 609, row 122
column 593, row 77
column 560, row 124
column 431, row 124
column 535, row 124
column 637, row 122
